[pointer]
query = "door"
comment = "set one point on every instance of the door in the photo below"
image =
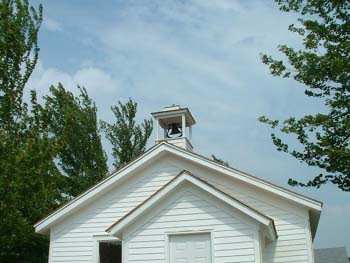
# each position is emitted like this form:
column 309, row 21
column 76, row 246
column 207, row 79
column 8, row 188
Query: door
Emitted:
column 194, row 248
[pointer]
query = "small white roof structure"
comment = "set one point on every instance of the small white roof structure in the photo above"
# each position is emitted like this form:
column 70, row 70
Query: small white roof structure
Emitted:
column 185, row 176
column 162, row 147
column 173, row 114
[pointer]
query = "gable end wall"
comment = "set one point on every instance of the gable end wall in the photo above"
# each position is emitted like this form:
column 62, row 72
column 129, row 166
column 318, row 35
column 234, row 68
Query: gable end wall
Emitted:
column 72, row 239
column 234, row 236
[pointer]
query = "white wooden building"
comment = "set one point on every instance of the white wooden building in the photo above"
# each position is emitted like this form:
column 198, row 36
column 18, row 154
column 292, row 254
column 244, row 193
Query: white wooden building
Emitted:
column 173, row 205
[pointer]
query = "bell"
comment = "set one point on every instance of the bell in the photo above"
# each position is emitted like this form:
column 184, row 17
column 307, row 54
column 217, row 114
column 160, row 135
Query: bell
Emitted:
column 174, row 131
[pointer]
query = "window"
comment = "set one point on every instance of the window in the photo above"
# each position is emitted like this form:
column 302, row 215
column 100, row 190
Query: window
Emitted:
column 107, row 249
column 110, row 252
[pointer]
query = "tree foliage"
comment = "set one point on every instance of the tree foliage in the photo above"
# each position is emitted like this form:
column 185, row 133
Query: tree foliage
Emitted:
column 322, row 68
column 50, row 151
column 128, row 139
column 27, row 172
column 219, row 160
column 73, row 123
column 38, row 144
column 19, row 26
column 28, row 189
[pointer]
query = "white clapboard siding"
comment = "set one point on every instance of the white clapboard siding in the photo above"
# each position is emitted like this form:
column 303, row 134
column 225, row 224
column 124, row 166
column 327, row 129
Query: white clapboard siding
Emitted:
column 68, row 238
column 232, row 236
column 72, row 238
column 291, row 221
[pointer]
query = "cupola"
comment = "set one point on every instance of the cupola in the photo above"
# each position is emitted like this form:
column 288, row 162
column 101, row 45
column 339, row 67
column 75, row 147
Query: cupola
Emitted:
column 174, row 125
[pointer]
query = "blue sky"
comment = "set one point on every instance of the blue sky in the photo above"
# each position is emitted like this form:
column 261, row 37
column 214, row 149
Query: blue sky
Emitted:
column 201, row 54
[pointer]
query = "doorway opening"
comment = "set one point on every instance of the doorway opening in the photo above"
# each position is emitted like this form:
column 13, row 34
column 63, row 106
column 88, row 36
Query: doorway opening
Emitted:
column 110, row 252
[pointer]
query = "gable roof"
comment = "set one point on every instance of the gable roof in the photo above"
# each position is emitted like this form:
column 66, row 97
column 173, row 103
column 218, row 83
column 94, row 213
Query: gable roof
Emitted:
column 44, row 225
column 185, row 176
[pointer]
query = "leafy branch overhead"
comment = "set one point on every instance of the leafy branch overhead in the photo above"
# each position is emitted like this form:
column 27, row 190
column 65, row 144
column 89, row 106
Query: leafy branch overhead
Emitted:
column 127, row 138
column 323, row 70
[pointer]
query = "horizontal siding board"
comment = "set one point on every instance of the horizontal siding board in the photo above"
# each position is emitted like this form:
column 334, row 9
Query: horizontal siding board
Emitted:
column 190, row 211
column 143, row 250
column 72, row 259
column 289, row 253
column 238, row 259
column 153, row 261
column 232, row 240
column 292, row 237
column 287, row 258
column 286, row 243
column 145, row 244
column 233, row 252
column 188, row 217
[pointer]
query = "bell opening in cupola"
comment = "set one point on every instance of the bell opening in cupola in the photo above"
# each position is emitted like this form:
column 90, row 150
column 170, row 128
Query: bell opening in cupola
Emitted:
column 174, row 130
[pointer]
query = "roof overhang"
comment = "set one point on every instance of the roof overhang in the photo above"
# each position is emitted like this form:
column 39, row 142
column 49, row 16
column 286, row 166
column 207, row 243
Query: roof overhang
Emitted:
column 44, row 225
column 167, row 117
column 118, row 227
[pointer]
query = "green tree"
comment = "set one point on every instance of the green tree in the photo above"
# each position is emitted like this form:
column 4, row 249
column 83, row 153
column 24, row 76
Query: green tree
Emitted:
column 19, row 26
column 73, row 123
column 27, row 172
column 46, row 153
column 128, row 139
column 322, row 68
column 28, row 186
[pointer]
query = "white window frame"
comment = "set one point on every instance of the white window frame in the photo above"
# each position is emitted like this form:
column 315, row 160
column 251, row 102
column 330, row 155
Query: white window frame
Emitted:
column 96, row 241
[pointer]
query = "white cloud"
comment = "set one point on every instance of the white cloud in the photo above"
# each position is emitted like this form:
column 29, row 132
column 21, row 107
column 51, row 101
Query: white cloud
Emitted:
column 52, row 25
column 190, row 47
column 96, row 81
